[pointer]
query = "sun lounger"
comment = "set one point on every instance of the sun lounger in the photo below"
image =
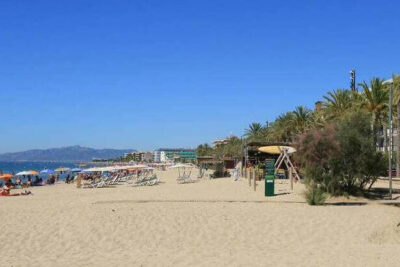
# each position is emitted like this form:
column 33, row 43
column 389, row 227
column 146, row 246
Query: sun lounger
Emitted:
column 185, row 178
column 149, row 181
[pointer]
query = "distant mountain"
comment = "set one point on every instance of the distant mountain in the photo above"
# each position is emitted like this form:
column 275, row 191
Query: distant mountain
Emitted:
column 71, row 153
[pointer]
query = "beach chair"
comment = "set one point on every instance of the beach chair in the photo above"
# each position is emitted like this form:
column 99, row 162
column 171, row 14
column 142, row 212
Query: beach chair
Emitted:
column 148, row 181
column 88, row 185
column 153, row 181
column 185, row 177
column 140, row 182
column 101, row 183
column 92, row 184
column 106, row 182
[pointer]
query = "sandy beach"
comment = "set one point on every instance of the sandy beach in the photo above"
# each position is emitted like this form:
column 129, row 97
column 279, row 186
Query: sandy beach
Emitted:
column 208, row 223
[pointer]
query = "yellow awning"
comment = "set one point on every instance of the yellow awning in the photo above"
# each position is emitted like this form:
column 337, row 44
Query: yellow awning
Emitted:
column 276, row 149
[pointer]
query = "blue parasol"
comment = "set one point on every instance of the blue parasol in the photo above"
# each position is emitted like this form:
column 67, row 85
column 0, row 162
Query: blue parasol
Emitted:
column 47, row 171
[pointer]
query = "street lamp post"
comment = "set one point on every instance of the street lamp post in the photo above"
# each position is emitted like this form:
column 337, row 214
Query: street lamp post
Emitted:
column 390, row 138
column 390, row 82
column 353, row 80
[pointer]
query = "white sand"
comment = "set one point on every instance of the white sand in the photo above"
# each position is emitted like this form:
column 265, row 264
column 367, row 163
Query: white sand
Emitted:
column 209, row 223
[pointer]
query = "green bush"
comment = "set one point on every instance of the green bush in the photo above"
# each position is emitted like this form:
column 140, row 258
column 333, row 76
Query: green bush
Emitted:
column 315, row 195
column 341, row 158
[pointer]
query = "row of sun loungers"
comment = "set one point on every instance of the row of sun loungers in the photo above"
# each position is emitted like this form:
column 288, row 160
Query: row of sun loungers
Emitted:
column 145, row 179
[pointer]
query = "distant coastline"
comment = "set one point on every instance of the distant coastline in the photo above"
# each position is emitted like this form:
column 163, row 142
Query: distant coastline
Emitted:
column 72, row 154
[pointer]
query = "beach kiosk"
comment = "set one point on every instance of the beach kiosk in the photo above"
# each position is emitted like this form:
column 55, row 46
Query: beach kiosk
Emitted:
column 272, row 166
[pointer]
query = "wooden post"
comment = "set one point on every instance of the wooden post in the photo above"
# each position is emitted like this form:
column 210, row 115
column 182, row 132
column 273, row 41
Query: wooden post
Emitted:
column 254, row 179
column 250, row 173
column 291, row 178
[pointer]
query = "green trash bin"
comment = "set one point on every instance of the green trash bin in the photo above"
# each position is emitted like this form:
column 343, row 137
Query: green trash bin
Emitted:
column 269, row 185
column 269, row 178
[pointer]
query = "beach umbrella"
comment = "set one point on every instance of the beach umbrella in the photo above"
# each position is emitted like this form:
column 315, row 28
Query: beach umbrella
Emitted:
column 118, row 168
column 96, row 169
column 138, row 166
column 128, row 167
column 30, row 172
column 61, row 169
column 186, row 170
column 76, row 170
column 6, row 176
column 108, row 169
column 180, row 165
column 46, row 171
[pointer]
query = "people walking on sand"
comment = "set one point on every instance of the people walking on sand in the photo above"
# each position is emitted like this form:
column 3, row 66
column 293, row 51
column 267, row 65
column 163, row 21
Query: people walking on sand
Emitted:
column 236, row 174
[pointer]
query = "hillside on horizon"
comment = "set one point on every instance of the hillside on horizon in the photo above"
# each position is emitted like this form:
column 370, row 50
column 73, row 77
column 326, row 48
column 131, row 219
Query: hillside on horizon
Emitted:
column 70, row 153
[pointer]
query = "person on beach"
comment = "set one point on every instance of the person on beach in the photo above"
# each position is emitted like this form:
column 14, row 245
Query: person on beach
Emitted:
column 5, row 192
column 9, row 183
column 79, row 180
column 18, row 183
column 51, row 180
column 235, row 174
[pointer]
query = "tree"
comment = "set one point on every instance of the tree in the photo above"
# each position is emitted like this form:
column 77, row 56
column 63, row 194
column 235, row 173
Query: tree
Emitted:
column 282, row 130
column 232, row 148
column 358, row 164
column 204, row 150
column 302, row 119
column 315, row 151
column 255, row 132
column 289, row 125
column 375, row 102
column 338, row 102
column 341, row 157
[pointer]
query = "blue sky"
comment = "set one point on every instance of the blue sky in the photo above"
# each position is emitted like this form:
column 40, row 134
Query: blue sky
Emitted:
column 148, row 74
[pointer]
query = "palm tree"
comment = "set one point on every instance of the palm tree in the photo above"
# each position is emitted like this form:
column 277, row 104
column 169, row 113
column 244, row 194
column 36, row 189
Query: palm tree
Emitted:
column 282, row 130
column 232, row 148
column 255, row 131
column 375, row 102
column 204, row 150
column 302, row 119
column 337, row 102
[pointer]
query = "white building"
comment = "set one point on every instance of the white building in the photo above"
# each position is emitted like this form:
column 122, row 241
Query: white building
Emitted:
column 160, row 156
column 157, row 156
column 163, row 156
column 173, row 154
column 222, row 141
